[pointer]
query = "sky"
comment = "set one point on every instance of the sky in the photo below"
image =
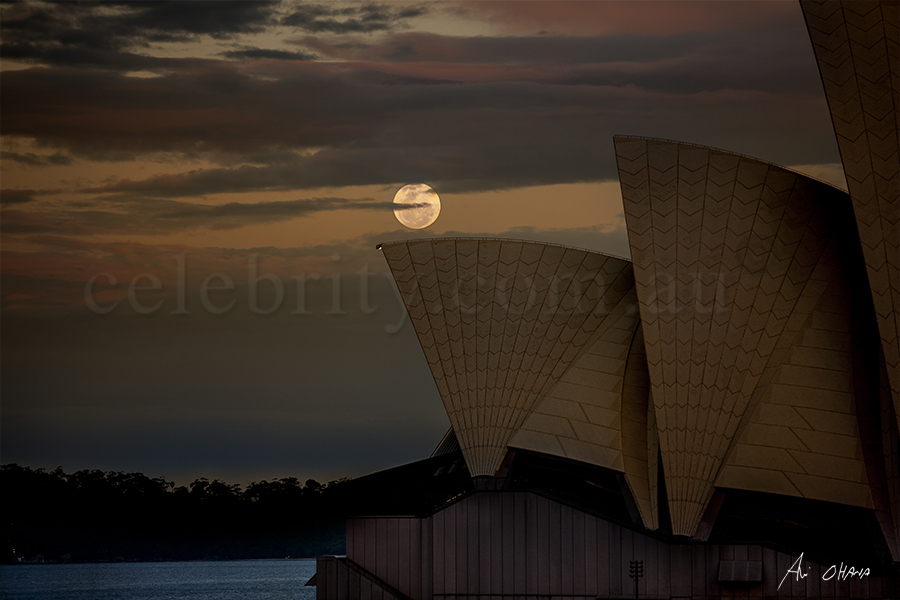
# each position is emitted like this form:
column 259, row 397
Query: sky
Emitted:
column 191, row 194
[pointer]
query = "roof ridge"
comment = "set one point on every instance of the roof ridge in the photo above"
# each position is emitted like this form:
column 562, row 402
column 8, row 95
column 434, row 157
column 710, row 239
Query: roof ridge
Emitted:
column 501, row 239
column 756, row 158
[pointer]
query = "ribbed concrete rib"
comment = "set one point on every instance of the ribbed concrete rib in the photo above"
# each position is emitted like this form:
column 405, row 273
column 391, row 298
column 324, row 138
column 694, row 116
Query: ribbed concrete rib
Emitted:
column 500, row 322
column 723, row 247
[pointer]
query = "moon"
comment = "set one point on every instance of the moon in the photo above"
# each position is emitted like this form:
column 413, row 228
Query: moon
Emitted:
column 417, row 205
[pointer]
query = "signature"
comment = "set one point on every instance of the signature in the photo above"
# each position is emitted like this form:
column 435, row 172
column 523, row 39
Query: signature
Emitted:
column 842, row 573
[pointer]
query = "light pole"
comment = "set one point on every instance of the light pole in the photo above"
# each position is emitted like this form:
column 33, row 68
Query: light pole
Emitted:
column 636, row 571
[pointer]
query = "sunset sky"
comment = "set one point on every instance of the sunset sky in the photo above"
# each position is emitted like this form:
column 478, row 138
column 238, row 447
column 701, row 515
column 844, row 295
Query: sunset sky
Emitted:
column 192, row 194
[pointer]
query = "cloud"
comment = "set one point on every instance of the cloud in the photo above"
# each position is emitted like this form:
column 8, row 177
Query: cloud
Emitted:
column 341, row 19
column 17, row 196
column 104, row 34
column 56, row 54
column 337, row 124
column 568, row 17
column 772, row 60
column 114, row 35
column 220, row 19
column 249, row 53
column 534, row 49
column 472, row 113
column 503, row 136
column 203, row 105
column 36, row 160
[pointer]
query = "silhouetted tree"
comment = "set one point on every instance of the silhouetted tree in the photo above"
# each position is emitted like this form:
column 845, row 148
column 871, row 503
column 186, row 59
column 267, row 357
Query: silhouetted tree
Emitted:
column 100, row 515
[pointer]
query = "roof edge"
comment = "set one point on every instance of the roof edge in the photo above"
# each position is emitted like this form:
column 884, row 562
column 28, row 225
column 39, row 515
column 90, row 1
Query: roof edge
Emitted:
column 499, row 239
column 759, row 160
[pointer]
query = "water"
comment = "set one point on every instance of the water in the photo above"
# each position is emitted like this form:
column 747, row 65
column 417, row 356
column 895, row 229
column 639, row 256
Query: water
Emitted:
column 200, row 580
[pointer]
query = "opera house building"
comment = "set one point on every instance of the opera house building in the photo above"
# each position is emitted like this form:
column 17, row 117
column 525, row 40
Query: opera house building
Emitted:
column 716, row 417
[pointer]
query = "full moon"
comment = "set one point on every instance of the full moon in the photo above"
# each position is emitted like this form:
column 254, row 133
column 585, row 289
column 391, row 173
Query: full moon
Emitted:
column 417, row 206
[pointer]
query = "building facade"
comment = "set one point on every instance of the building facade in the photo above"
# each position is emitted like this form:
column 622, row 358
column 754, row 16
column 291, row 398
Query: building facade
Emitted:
column 719, row 413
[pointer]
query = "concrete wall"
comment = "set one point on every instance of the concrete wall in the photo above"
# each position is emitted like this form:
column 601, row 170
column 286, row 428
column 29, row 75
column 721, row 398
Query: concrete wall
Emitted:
column 338, row 578
column 521, row 545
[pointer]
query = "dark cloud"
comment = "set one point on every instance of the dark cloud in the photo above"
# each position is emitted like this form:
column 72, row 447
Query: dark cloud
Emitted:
column 474, row 113
column 17, row 196
column 534, row 49
column 685, row 63
column 263, row 53
column 106, row 34
column 37, row 160
column 69, row 56
column 215, row 18
column 505, row 135
column 456, row 167
column 364, row 18
column 495, row 127
column 579, row 18
column 203, row 107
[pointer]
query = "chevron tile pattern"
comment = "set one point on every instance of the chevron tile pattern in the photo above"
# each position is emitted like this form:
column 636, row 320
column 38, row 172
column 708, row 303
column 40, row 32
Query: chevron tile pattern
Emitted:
column 803, row 438
column 500, row 323
column 857, row 47
column 579, row 418
column 723, row 248
column 597, row 412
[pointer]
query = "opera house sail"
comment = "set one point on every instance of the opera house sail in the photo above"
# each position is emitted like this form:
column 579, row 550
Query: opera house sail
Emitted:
column 709, row 412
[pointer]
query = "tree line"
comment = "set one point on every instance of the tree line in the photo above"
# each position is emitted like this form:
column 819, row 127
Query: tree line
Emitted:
column 94, row 515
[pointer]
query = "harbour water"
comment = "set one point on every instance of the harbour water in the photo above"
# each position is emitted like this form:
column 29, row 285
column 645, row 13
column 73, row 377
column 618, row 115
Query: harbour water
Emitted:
column 196, row 580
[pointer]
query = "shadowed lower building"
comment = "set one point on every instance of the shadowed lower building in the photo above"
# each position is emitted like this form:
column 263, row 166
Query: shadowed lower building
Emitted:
column 708, row 411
